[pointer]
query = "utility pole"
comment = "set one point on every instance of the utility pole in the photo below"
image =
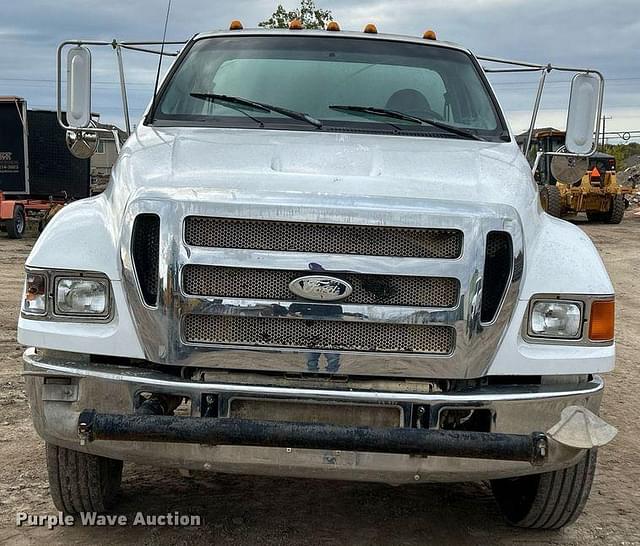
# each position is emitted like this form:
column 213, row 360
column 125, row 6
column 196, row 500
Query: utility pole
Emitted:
column 604, row 125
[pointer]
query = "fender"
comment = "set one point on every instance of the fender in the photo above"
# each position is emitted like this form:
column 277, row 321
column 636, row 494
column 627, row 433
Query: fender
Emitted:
column 561, row 259
column 6, row 209
column 82, row 236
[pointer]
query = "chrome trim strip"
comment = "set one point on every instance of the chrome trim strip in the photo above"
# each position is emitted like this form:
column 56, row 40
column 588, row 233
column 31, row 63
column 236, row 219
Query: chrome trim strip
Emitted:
column 204, row 305
column 335, row 263
column 140, row 377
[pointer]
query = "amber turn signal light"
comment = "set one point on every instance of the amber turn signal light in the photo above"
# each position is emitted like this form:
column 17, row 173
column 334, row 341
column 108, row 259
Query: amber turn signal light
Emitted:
column 602, row 320
column 429, row 35
column 235, row 25
column 371, row 29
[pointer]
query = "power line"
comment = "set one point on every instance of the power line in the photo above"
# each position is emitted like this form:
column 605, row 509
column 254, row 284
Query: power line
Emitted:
column 40, row 80
column 516, row 82
column 496, row 83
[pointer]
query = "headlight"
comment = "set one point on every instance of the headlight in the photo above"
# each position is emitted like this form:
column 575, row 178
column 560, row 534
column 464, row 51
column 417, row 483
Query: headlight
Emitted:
column 82, row 296
column 556, row 319
column 34, row 301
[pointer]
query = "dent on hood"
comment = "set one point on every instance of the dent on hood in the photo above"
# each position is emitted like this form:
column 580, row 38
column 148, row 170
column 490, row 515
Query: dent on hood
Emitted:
column 316, row 163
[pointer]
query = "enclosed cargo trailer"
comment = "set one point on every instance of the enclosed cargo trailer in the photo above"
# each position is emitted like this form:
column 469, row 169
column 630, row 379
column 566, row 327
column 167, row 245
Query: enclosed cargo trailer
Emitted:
column 14, row 160
column 37, row 171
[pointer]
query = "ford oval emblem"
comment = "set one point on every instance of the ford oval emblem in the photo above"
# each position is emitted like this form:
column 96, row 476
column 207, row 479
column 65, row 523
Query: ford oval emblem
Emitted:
column 320, row 288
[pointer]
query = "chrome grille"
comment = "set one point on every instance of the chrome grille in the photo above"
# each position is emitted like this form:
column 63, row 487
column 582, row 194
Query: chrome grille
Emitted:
column 320, row 335
column 214, row 232
column 273, row 284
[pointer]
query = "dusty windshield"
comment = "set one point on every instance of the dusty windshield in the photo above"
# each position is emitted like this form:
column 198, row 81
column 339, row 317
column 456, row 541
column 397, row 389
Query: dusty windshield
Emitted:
column 365, row 85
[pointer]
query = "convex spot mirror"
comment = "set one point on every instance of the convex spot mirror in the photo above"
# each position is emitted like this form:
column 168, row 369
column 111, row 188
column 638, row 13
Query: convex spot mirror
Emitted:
column 585, row 102
column 79, row 87
column 82, row 144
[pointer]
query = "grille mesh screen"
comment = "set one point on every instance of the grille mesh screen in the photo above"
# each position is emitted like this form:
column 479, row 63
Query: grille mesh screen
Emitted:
column 322, row 238
column 321, row 335
column 497, row 268
column 145, row 249
column 231, row 282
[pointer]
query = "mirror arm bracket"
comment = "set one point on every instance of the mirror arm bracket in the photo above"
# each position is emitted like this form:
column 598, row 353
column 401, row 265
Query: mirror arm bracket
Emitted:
column 123, row 88
column 536, row 162
column 536, row 109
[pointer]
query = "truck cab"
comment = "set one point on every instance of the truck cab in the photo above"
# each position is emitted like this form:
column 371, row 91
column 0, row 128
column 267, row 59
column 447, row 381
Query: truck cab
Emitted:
column 321, row 254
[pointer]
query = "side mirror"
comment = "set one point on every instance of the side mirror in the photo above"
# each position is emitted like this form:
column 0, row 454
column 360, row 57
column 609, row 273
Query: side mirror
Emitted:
column 79, row 87
column 585, row 104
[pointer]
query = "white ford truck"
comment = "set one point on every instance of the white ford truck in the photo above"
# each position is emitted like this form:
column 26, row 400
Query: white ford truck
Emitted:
column 321, row 254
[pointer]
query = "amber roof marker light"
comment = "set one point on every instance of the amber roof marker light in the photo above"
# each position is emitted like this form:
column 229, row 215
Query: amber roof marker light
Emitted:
column 296, row 24
column 333, row 27
column 602, row 320
column 429, row 35
column 371, row 29
column 236, row 25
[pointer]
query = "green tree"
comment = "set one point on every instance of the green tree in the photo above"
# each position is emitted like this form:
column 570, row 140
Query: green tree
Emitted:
column 310, row 15
column 621, row 152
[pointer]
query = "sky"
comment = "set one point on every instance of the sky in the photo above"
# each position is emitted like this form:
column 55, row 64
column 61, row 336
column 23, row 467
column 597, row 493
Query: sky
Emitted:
column 582, row 33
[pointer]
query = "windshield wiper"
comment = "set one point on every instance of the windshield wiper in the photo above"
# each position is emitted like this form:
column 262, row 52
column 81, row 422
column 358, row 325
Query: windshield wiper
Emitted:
column 406, row 117
column 264, row 107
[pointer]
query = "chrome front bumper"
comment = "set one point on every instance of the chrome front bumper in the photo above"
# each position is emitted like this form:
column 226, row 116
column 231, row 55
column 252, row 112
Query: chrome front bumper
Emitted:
column 60, row 390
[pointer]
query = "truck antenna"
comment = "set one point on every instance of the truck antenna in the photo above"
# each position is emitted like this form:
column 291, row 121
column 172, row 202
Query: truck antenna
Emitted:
column 155, row 87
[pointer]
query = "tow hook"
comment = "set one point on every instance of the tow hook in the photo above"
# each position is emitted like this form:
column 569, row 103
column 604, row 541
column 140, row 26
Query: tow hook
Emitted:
column 540, row 448
column 85, row 426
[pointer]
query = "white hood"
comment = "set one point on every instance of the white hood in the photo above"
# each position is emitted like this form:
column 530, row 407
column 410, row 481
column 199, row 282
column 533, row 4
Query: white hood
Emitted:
column 317, row 163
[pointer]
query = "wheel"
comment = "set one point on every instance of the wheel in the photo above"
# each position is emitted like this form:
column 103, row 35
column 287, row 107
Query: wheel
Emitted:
column 79, row 482
column 550, row 200
column 17, row 225
column 616, row 212
column 546, row 501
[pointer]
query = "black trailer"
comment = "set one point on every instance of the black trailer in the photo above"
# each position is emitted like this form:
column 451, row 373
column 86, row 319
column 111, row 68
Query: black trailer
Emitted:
column 37, row 171
column 14, row 163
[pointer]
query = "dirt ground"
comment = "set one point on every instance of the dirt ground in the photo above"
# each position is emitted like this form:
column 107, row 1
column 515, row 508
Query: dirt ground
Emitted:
column 250, row 510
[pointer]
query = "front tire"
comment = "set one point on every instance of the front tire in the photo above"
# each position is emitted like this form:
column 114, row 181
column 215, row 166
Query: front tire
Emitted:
column 546, row 501
column 551, row 200
column 80, row 482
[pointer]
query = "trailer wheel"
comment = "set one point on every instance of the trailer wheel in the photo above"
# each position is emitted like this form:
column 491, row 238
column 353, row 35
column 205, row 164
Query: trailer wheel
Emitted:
column 80, row 482
column 546, row 501
column 550, row 200
column 18, row 224
column 616, row 213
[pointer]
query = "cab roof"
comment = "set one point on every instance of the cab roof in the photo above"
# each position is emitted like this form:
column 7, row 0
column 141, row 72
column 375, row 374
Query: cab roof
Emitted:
column 333, row 34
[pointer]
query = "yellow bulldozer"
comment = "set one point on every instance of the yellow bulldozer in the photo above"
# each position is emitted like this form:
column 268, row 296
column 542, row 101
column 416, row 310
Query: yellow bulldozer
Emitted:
column 571, row 185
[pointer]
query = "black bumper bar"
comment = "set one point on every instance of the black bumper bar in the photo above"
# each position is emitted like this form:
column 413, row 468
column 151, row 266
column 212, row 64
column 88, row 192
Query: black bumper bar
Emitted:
column 228, row 431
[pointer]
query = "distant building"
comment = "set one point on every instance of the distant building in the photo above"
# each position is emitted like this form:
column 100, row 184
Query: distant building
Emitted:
column 104, row 158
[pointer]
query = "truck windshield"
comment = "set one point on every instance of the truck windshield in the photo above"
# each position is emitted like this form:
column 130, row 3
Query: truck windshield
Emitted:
column 338, row 82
